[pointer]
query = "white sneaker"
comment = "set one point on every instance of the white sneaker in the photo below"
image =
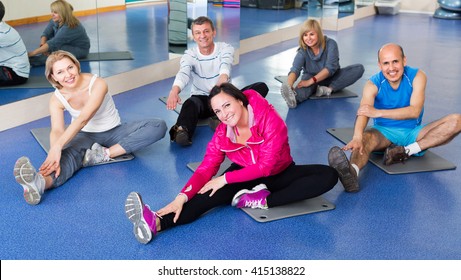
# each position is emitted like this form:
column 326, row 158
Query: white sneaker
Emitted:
column 32, row 182
column 95, row 155
column 323, row 91
column 289, row 95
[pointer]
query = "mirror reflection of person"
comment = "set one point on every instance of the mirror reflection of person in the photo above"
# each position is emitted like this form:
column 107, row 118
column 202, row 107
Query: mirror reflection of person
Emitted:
column 262, row 175
column 95, row 135
column 394, row 98
column 14, row 64
column 63, row 32
column 318, row 59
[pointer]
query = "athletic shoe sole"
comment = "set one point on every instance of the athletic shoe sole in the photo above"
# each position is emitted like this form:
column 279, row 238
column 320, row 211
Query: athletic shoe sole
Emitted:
column 338, row 160
column 289, row 96
column 24, row 173
column 134, row 212
column 237, row 196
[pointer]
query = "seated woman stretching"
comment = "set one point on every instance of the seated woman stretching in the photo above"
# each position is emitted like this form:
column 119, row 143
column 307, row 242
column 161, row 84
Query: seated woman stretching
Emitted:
column 63, row 32
column 95, row 125
column 255, row 138
column 318, row 58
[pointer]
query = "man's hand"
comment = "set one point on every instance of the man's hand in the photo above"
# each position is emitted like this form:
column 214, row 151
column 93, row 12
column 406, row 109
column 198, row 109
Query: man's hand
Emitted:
column 173, row 100
column 356, row 144
column 368, row 111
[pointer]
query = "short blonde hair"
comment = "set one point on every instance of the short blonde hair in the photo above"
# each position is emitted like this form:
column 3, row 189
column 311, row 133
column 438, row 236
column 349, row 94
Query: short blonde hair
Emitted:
column 311, row 25
column 52, row 59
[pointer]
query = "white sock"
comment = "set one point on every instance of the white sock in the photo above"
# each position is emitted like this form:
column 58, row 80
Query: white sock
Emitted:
column 356, row 169
column 413, row 148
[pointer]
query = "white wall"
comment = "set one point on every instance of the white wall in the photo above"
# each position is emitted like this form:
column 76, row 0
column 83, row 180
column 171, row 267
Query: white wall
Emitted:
column 19, row 9
column 421, row 6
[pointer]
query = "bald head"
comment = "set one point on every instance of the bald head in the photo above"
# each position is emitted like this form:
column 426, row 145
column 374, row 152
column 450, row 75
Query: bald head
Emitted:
column 390, row 47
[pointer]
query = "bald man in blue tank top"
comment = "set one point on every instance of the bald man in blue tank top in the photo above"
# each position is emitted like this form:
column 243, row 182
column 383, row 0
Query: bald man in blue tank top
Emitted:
column 394, row 98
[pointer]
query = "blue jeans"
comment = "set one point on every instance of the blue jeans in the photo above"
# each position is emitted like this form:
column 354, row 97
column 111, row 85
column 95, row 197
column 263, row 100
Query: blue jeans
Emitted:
column 343, row 78
column 131, row 136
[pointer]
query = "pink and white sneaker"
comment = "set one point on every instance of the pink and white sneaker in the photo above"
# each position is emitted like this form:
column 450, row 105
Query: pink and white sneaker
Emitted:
column 254, row 198
column 143, row 219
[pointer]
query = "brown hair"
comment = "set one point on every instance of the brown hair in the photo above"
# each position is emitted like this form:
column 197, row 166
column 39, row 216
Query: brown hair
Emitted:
column 52, row 59
column 230, row 90
column 311, row 25
column 201, row 20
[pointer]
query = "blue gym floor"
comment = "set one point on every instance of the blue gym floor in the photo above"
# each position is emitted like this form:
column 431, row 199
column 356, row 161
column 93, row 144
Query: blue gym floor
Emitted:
column 411, row 216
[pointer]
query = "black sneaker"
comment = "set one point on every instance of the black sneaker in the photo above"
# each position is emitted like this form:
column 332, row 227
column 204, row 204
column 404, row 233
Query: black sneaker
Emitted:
column 347, row 175
column 395, row 154
column 180, row 135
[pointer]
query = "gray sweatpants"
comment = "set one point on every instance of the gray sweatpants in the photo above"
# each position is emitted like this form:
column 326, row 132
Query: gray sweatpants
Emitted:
column 131, row 136
column 343, row 78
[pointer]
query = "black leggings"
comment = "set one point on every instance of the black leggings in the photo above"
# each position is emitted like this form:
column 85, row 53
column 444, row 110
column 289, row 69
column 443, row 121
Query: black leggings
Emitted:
column 297, row 182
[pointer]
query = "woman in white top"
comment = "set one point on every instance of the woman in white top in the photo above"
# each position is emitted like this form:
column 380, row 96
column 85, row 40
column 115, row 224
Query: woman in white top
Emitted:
column 95, row 134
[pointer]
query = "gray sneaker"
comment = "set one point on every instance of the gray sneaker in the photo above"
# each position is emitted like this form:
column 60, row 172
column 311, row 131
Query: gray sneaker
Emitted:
column 32, row 182
column 289, row 95
column 95, row 155
column 347, row 175
column 323, row 91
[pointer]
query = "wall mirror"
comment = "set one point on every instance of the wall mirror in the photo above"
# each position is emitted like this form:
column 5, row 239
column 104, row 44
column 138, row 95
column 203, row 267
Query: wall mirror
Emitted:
column 271, row 15
column 233, row 25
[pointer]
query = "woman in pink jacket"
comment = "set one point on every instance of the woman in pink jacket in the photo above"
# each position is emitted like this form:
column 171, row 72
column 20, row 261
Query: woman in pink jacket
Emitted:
column 255, row 138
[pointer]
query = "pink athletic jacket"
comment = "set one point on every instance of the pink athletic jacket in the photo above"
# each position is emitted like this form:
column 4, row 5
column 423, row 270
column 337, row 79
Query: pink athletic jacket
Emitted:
column 266, row 153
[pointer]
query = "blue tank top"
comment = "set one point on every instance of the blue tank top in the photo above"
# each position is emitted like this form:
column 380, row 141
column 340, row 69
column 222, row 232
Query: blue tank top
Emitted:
column 388, row 98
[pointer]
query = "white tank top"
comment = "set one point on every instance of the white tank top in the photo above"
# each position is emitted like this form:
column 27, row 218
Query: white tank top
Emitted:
column 106, row 117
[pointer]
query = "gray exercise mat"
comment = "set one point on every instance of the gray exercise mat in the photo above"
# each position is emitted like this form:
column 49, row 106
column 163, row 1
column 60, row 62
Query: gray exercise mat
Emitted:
column 282, row 79
column 32, row 82
column 308, row 206
column 42, row 135
column 104, row 56
column 201, row 122
column 429, row 162
column 344, row 93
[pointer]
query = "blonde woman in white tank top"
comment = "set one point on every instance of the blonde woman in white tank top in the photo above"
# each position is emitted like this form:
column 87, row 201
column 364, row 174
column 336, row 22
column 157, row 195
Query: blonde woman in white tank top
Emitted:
column 95, row 135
